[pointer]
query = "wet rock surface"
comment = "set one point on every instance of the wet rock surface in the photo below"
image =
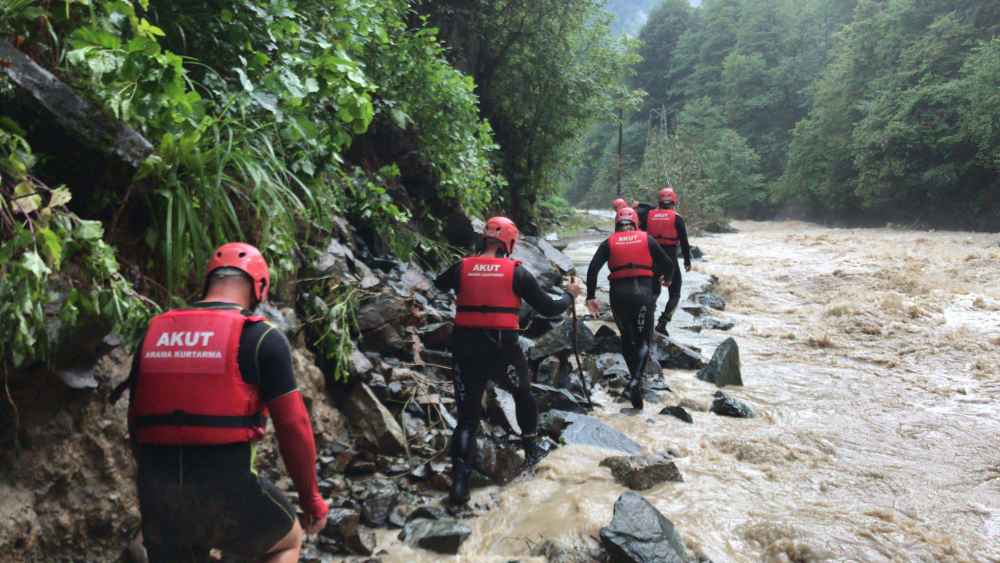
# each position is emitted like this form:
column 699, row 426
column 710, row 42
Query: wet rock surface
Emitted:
column 442, row 536
column 724, row 405
column 671, row 354
column 678, row 412
column 573, row 428
column 640, row 472
column 724, row 367
column 372, row 423
column 712, row 301
column 638, row 533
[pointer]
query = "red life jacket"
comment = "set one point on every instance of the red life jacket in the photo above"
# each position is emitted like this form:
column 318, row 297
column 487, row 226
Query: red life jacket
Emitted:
column 189, row 390
column 630, row 256
column 486, row 296
column 661, row 224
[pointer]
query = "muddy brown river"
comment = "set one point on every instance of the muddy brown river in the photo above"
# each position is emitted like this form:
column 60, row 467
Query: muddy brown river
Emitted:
column 872, row 359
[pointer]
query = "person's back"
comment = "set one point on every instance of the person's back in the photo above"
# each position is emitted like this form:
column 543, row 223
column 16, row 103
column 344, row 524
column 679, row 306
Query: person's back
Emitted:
column 202, row 382
column 664, row 224
column 484, row 342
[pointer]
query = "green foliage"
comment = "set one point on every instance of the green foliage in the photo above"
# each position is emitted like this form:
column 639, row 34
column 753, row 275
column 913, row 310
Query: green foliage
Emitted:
column 912, row 140
column 58, row 275
column 711, row 167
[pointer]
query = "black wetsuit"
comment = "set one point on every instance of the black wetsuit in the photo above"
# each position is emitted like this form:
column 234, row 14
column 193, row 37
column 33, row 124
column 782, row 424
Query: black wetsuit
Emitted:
column 633, row 305
column 195, row 497
column 676, row 281
column 494, row 355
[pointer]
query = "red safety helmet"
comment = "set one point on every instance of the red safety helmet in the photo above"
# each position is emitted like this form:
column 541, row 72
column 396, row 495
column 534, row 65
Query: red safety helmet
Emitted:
column 626, row 215
column 667, row 194
column 618, row 204
column 504, row 230
column 247, row 259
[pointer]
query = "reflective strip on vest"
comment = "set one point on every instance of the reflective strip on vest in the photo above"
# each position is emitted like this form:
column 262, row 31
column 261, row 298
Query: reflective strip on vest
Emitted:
column 629, row 255
column 661, row 224
column 486, row 297
column 189, row 390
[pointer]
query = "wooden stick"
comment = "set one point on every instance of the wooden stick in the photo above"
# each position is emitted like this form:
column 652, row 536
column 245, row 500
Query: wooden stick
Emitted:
column 576, row 352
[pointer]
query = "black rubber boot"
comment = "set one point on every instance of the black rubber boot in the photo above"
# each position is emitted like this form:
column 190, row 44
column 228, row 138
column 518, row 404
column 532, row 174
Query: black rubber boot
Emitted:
column 635, row 393
column 532, row 455
column 460, row 473
column 661, row 326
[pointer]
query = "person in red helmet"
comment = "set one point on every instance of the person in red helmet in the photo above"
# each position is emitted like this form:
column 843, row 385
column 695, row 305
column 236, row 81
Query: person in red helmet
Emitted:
column 667, row 226
column 618, row 204
column 632, row 257
column 201, row 385
column 484, row 342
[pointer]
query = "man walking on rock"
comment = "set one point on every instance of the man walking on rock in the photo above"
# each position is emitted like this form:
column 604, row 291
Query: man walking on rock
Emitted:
column 484, row 342
column 201, row 386
column 667, row 227
column 633, row 257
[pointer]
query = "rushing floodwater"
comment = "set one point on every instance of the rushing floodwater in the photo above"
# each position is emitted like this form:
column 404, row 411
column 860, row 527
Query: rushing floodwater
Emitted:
column 872, row 358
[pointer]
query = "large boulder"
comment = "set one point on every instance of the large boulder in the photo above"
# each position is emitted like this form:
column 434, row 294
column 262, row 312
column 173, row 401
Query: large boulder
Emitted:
column 712, row 301
column 386, row 307
column 537, row 263
column 724, row 405
column 497, row 460
column 573, row 428
column 638, row 533
column 724, row 367
column 501, row 410
column 554, row 398
column 671, row 354
column 640, row 472
column 561, row 261
column 560, row 339
column 372, row 423
column 442, row 536
column 327, row 421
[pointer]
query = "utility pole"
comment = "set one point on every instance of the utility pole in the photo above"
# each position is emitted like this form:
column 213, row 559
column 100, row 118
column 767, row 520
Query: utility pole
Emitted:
column 621, row 122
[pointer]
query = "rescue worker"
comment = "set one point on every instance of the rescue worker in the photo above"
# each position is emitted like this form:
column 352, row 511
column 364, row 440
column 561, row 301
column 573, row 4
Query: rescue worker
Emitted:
column 618, row 204
column 484, row 341
column 666, row 226
column 201, row 386
column 633, row 257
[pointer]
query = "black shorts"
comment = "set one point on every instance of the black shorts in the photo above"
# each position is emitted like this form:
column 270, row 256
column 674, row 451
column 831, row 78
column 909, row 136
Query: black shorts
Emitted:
column 195, row 498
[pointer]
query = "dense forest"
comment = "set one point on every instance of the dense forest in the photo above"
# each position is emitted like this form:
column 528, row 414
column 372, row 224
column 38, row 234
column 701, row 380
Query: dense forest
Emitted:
column 266, row 121
column 862, row 111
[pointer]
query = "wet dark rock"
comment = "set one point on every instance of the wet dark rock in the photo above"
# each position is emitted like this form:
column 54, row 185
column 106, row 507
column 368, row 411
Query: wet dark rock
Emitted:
column 358, row 364
column 678, row 412
column 533, row 324
column 435, row 335
column 560, row 339
column 537, row 263
column 361, row 544
column 696, row 253
column 283, row 318
column 372, row 423
column 713, row 323
column 573, row 428
column 339, row 261
column 562, row 262
column 497, row 460
column 640, row 472
column 607, row 341
column 673, row 355
column 552, row 398
column 342, row 523
column 383, row 341
column 639, row 533
column 609, row 365
column 428, row 513
column 386, row 307
column 398, row 516
column 500, row 409
column 550, row 371
column 441, row 536
column 712, row 301
column 724, row 367
column 724, row 405
column 694, row 310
